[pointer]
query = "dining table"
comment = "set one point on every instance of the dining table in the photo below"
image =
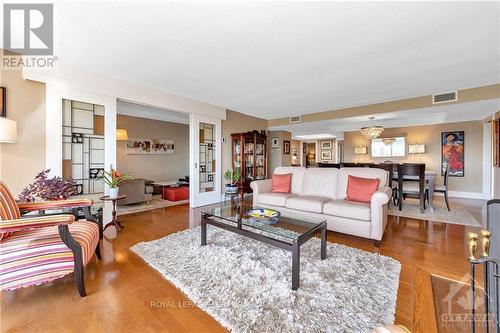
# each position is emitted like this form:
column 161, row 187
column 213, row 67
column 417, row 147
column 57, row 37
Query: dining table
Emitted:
column 430, row 178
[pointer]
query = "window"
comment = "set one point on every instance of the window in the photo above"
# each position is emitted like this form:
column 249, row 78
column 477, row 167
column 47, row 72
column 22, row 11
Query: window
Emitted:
column 389, row 147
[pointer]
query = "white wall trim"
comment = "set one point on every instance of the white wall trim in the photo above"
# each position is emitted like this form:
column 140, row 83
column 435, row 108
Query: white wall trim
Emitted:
column 465, row 195
column 487, row 160
column 126, row 91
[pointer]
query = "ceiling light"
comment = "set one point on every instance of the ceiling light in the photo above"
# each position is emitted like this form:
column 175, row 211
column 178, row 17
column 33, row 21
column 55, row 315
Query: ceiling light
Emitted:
column 315, row 136
column 371, row 132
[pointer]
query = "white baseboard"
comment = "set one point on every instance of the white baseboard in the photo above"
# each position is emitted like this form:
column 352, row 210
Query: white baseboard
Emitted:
column 465, row 195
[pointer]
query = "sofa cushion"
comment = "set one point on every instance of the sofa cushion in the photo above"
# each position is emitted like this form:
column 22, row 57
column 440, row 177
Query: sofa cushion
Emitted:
column 297, row 177
column 360, row 189
column 281, row 183
column 359, row 172
column 321, row 182
column 307, row 203
column 273, row 199
column 348, row 209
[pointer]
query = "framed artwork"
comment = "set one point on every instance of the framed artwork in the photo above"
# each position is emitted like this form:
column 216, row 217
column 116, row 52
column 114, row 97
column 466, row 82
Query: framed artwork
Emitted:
column 452, row 153
column 286, row 147
column 295, row 152
column 326, row 154
column 3, row 100
column 496, row 142
column 137, row 146
column 275, row 143
column 326, row 144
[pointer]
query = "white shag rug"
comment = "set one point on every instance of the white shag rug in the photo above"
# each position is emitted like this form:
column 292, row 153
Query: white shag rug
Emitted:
column 246, row 284
column 457, row 214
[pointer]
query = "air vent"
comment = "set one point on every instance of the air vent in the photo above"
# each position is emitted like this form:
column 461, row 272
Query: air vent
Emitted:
column 445, row 98
column 295, row 119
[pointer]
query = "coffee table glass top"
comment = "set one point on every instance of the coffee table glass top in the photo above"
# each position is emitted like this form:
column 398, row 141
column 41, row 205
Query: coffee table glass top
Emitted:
column 290, row 227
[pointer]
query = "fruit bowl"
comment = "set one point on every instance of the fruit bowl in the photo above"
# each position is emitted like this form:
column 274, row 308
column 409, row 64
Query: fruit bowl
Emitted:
column 264, row 215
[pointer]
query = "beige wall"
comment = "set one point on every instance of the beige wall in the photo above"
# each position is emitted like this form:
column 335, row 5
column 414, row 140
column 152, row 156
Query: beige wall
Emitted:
column 333, row 151
column 276, row 157
column 495, row 193
column 236, row 123
column 431, row 136
column 154, row 167
column 21, row 161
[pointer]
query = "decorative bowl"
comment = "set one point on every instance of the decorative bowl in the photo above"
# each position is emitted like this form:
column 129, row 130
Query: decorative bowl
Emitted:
column 264, row 215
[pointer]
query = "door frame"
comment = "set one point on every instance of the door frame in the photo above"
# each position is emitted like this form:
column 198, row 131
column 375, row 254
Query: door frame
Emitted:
column 197, row 199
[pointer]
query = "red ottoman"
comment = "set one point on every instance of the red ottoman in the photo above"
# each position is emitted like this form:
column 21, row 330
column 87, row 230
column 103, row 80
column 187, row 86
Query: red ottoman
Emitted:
column 176, row 193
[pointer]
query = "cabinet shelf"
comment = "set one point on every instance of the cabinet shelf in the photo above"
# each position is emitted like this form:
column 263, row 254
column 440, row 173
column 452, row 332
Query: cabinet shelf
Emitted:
column 249, row 153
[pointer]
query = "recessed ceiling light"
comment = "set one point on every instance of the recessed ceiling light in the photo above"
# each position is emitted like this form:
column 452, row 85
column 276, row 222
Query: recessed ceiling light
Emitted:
column 315, row 136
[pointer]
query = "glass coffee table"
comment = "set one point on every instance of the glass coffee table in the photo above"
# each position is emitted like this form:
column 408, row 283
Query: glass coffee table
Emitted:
column 291, row 231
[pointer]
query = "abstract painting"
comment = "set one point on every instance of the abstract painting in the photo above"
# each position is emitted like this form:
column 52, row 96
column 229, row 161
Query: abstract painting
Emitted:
column 452, row 153
column 137, row 146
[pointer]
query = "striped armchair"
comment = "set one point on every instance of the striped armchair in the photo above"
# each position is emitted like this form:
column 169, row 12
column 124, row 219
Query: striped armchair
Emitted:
column 36, row 250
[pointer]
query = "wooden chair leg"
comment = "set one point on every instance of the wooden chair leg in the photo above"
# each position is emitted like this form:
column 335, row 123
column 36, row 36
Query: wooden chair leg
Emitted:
column 98, row 251
column 422, row 203
column 68, row 239
column 446, row 200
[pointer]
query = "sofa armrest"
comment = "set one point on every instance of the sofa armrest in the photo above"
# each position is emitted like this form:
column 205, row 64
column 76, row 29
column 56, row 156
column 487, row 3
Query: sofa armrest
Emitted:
column 378, row 204
column 261, row 186
column 381, row 197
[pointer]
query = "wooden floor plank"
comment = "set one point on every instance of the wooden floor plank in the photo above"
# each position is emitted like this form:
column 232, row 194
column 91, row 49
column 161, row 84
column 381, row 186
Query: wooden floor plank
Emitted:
column 122, row 286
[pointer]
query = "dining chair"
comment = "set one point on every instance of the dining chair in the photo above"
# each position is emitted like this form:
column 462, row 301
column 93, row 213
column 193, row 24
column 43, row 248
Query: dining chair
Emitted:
column 442, row 189
column 389, row 167
column 411, row 187
column 41, row 249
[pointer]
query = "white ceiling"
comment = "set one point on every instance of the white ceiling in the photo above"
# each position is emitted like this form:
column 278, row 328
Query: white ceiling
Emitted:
column 143, row 111
column 417, row 117
column 274, row 59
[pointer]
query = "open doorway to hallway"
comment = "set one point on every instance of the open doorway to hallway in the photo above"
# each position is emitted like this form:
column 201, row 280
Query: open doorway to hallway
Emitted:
column 152, row 146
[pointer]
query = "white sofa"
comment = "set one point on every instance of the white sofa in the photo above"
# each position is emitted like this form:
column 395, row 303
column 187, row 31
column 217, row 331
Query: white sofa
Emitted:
column 320, row 192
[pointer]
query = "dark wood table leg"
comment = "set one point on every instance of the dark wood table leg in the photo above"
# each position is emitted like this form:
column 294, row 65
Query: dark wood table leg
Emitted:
column 295, row 265
column 323, row 242
column 114, row 220
column 203, row 231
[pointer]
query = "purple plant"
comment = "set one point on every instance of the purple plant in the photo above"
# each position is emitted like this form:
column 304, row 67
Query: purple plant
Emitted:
column 44, row 188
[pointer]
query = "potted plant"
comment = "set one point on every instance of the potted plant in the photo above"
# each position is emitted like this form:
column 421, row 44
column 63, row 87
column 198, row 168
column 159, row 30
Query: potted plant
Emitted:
column 44, row 188
column 232, row 176
column 113, row 179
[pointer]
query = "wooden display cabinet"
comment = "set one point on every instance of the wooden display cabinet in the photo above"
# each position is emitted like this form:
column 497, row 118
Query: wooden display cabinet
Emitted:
column 249, row 154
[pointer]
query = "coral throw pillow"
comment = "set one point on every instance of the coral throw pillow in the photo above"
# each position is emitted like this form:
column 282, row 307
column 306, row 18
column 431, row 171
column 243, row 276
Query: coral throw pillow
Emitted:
column 361, row 189
column 281, row 183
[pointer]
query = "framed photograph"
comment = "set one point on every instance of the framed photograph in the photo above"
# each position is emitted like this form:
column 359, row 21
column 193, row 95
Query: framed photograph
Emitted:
column 3, row 100
column 286, row 147
column 136, row 146
column 326, row 144
column 326, row 154
column 452, row 153
column 275, row 143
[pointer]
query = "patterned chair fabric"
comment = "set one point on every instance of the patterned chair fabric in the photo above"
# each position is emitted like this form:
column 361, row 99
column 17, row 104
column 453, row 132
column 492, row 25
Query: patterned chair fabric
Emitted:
column 34, row 256
column 8, row 208
column 32, row 251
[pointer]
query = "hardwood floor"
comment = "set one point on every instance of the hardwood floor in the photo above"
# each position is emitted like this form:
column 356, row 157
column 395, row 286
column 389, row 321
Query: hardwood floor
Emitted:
column 126, row 295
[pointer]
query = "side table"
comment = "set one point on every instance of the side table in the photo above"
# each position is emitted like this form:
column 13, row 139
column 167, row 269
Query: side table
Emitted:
column 114, row 220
